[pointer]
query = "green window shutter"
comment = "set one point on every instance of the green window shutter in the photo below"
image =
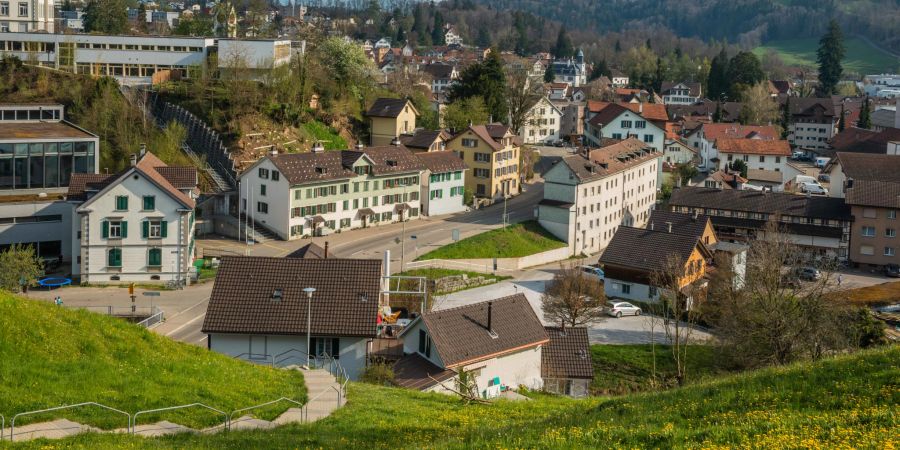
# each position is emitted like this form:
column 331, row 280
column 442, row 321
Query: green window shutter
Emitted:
column 149, row 202
column 115, row 257
column 145, row 229
column 105, row 226
column 124, row 229
column 154, row 257
column 164, row 228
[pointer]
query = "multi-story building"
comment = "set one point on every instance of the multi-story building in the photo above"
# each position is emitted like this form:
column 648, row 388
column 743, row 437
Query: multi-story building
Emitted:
column 39, row 153
column 443, row 183
column 870, row 185
column 492, row 155
column 136, row 59
column 26, row 16
column 426, row 140
column 819, row 225
column 318, row 193
column 644, row 121
column 570, row 71
column 683, row 93
column 758, row 154
column 542, row 122
column 442, row 76
column 587, row 197
column 704, row 137
column 136, row 225
column 390, row 118
column 813, row 123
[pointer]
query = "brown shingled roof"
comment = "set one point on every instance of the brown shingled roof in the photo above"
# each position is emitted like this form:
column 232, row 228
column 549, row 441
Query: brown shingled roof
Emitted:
column 300, row 168
column 151, row 168
column 761, row 202
column 182, row 177
column 345, row 302
column 883, row 194
column 647, row 250
column 567, row 355
column 80, row 183
column 415, row 372
column 441, row 162
column 308, row 251
column 715, row 131
column 387, row 107
column 866, row 166
column 753, row 146
column 42, row 130
column 461, row 334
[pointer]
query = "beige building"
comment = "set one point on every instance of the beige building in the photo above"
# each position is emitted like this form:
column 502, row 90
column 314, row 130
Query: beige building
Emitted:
column 492, row 155
column 587, row 198
column 389, row 118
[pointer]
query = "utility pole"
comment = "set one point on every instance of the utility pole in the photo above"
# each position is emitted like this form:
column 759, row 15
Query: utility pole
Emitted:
column 402, row 244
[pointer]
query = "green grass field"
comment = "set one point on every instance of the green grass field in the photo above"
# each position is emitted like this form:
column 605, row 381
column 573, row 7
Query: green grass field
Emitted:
column 52, row 356
column 844, row 402
column 516, row 240
column 860, row 58
column 624, row 369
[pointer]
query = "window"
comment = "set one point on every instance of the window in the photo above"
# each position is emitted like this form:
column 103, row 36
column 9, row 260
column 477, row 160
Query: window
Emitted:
column 262, row 189
column 275, row 175
column 868, row 231
column 121, row 203
column 890, row 232
column 264, row 173
column 114, row 257
column 23, row 9
column 4, row 9
column 762, row 159
column 626, row 124
column 892, row 214
column 149, row 202
column 889, row 251
column 648, row 138
column 424, row 344
column 869, row 213
column 640, row 124
column 482, row 157
column 471, row 143
column 154, row 257
column 262, row 207
column 626, row 288
column 482, row 173
column 154, row 229
column 326, row 346
column 617, row 135
column 115, row 229
column 457, row 175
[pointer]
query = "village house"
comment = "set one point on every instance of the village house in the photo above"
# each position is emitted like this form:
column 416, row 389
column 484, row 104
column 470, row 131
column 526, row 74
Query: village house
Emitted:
column 870, row 185
column 756, row 153
column 442, row 77
column 566, row 365
column 813, row 123
column 586, row 198
column 426, row 140
column 705, row 136
column 644, row 121
column 296, row 195
column 491, row 153
column 443, row 183
column 818, row 225
column 258, row 310
column 389, row 118
column 499, row 342
column 542, row 122
column 136, row 225
column 683, row 93
column 571, row 71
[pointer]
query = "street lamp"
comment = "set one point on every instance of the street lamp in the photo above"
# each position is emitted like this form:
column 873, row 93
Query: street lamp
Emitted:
column 309, row 292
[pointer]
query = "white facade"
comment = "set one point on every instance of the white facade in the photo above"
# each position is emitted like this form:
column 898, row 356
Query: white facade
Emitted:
column 443, row 193
column 121, row 241
column 45, row 225
column 680, row 94
column 678, row 153
column 620, row 81
column 255, row 54
column 884, row 85
column 628, row 124
column 262, row 348
column 754, row 161
column 811, row 136
column 542, row 123
column 26, row 16
column 589, row 213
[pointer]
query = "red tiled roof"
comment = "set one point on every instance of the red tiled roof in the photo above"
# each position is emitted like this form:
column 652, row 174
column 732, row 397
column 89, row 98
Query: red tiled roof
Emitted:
column 753, row 146
column 714, row 131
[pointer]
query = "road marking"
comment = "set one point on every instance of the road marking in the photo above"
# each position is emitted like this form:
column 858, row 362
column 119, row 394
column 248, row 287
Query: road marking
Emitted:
column 186, row 324
column 186, row 310
column 201, row 340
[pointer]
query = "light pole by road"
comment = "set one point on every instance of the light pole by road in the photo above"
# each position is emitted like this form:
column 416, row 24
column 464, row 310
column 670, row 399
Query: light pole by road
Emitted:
column 309, row 293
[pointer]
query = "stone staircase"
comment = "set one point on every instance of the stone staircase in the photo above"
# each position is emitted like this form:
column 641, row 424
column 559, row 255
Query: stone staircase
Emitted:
column 324, row 395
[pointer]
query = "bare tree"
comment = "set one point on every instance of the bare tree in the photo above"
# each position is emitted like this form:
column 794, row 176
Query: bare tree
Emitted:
column 759, row 108
column 573, row 298
column 521, row 95
column 681, row 295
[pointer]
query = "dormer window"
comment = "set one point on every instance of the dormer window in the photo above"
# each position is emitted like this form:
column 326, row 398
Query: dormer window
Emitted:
column 321, row 170
column 391, row 163
column 277, row 295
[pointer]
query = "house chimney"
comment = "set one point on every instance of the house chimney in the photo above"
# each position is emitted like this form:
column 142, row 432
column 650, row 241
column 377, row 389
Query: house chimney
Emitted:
column 143, row 148
column 360, row 146
column 652, row 226
column 273, row 151
column 696, row 215
column 318, row 147
column 640, row 107
column 395, row 141
column 670, row 226
column 134, row 158
column 326, row 249
column 490, row 323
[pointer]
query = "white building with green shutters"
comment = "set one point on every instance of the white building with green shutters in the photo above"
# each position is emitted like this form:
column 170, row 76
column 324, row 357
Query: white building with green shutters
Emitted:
column 136, row 225
column 319, row 193
column 443, row 183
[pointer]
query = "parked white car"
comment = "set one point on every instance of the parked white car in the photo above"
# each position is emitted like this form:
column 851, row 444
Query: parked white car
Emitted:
column 619, row 309
column 813, row 188
column 592, row 271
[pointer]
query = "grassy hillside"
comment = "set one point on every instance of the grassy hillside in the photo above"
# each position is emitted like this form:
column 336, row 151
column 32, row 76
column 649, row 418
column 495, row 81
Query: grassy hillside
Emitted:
column 516, row 240
column 623, row 369
column 848, row 402
column 860, row 58
column 51, row 356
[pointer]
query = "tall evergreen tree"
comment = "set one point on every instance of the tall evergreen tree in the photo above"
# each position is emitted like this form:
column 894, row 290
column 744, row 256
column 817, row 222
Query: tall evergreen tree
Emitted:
column 717, row 81
column 401, row 34
column 829, row 55
column 659, row 76
column 437, row 33
column 483, row 39
column 548, row 74
column 564, row 47
column 786, row 117
column 865, row 115
column 618, row 46
column 842, row 122
column 600, row 69
column 106, row 16
column 717, row 114
column 486, row 80
column 744, row 71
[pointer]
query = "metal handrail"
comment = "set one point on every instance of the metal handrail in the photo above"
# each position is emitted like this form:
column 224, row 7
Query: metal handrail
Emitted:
column 158, row 317
column 12, row 424
column 171, row 408
column 230, row 416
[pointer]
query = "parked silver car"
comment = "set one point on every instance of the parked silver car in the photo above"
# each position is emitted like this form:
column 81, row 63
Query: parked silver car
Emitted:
column 619, row 309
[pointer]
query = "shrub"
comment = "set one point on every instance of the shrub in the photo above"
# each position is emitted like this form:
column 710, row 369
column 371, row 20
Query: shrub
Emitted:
column 379, row 373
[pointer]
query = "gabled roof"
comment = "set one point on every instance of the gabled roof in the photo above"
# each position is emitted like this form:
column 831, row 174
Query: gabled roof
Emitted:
column 858, row 140
column 345, row 302
column 753, row 146
column 423, row 139
column 714, row 131
column 415, row 372
column 805, row 106
column 81, row 183
column 308, row 251
column 151, row 168
column 438, row 71
column 884, row 194
column 482, row 133
column 687, row 224
column 389, row 107
column 761, row 202
column 498, row 130
column 693, row 87
column 652, row 112
column 461, row 334
column 441, row 162
column 301, row 168
column 873, row 167
column 648, row 250
column 567, row 355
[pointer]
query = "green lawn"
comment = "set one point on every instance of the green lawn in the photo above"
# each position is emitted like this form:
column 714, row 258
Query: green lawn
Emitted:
column 516, row 240
column 860, row 58
column 52, row 356
column 623, row 369
column 319, row 131
column 435, row 273
column 846, row 402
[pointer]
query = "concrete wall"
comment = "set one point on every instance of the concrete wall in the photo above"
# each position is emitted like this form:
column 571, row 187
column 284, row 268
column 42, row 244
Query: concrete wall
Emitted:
column 23, row 233
column 639, row 292
column 522, row 368
column 503, row 264
column 352, row 355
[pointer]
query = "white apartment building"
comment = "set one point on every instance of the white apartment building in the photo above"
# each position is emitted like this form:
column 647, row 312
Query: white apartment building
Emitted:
column 683, row 93
column 645, row 122
column 136, row 59
column 813, row 123
column 757, row 154
column 39, row 153
column 25, row 16
column 443, row 183
column 136, row 225
column 319, row 193
column 586, row 198
column 703, row 139
column 542, row 123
